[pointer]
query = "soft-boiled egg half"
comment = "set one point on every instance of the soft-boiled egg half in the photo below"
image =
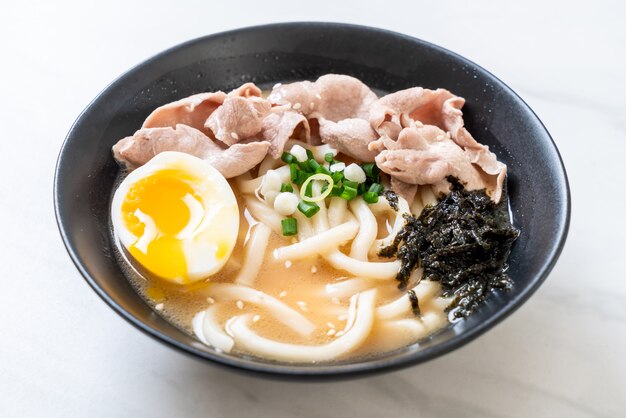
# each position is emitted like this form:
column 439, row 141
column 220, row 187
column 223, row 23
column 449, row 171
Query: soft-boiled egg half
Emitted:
column 177, row 216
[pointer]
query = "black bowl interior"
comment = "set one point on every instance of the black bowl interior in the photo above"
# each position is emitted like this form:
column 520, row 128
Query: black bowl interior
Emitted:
column 384, row 60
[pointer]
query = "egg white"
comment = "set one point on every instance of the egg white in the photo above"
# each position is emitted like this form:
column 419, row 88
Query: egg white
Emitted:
column 213, row 220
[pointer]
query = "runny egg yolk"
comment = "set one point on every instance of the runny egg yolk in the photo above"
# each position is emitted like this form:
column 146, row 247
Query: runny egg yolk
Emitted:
column 162, row 198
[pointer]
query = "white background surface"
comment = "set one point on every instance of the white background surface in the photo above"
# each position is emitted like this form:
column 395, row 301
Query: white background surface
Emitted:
column 64, row 353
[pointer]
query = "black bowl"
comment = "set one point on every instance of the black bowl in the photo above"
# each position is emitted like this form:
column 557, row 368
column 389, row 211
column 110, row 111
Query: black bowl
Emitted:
column 384, row 60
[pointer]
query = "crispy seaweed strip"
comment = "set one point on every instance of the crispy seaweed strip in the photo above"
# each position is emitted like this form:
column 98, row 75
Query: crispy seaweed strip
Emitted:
column 415, row 305
column 463, row 242
column 392, row 198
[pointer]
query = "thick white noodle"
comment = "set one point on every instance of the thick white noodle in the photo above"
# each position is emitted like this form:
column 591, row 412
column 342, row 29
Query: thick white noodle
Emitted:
column 411, row 326
column 320, row 219
column 381, row 207
column 288, row 316
column 434, row 320
column 250, row 341
column 416, row 205
column 337, row 209
column 255, row 252
column 263, row 213
column 248, row 185
column 368, row 229
column 427, row 195
column 381, row 271
column 425, row 291
column 439, row 304
column 403, row 208
column 319, row 243
column 305, row 229
column 348, row 287
column 209, row 331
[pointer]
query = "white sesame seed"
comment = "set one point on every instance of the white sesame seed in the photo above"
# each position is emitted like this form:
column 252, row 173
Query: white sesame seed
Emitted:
column 313, row 269
column 318, row 96
column 234, row 135
column 282, row 294
column 288, row 264
column 302, row 305
column 342, row 317
column 335, row 300
column 297, row 106
column 158, row 307
column 339, row 333
column 312, row 105
column 331, row 332
column 239, row 304
column 210, row 300
column 330, row 325
column 256, row 318
column 277, row 85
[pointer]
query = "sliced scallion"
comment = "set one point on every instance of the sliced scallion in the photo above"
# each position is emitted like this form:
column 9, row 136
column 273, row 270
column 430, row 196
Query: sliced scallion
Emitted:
column 293, row 171
column 288, row 158
column 376, row 188
column 308, row 208
column 348, row 192
column 308, row 197
column 370, row 197
column 289, row 226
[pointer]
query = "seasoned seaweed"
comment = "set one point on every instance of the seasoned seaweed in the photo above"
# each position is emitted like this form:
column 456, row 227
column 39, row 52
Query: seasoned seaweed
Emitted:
column 392, row 198
column 463, row 242
column 415, row 303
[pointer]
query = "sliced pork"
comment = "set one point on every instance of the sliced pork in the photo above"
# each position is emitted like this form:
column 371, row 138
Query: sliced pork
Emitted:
column 246, row 90
column 416, row 103
column 191, row 111
column 333, row 97
column 349, row 136
column 134, row 151
column 238, row 118
column 282, row 124
column 424, row 154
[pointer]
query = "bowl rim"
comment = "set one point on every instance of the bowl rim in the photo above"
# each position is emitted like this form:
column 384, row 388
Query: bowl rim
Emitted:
column 340, row 370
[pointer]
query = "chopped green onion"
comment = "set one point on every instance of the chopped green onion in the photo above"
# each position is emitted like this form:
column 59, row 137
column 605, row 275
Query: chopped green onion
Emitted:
column 306, row 192
column 302, row 177
column 293, row 171
column 289, row 226
column 361, row 189
column 305, row 166
column 286, row 187
column 337, row 176
column 348, row 193
column 329, row 157
column 314, row 164
column 371, row 170
column 309, row 154
column 376, row 188
column 370, row 197
column 336, row 191
column 308, row 208
column 288, row 158
column 349, row 183
column 323, row 170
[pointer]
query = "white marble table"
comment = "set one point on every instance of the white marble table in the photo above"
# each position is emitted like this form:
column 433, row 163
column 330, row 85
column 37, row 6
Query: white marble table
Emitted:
column 64, row 353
